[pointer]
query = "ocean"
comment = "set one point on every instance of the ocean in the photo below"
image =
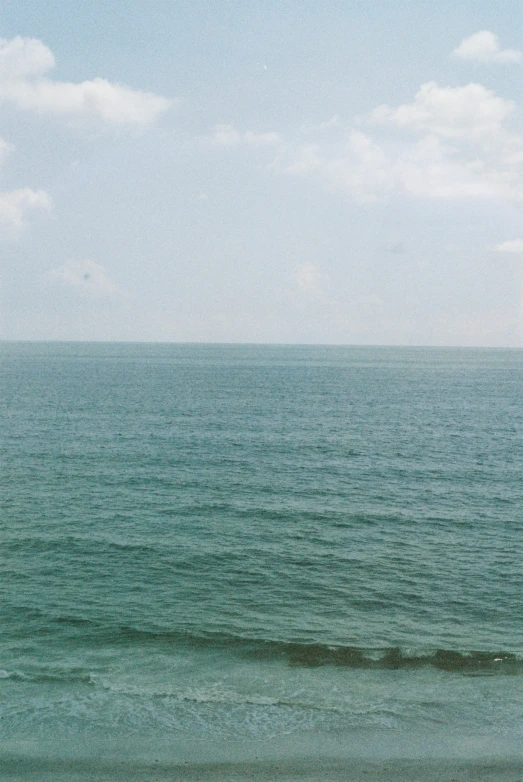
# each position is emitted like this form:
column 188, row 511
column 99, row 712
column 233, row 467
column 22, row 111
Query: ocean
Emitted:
column 245, row 553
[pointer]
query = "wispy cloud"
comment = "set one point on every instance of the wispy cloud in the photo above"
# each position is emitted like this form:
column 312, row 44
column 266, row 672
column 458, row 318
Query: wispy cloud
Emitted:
column 357, row 165
column 396, row 248
column 510, row 246
column 17, row 206
column 230, row 136
column 24, row 63
column 483, row 47
column 87, row 278
column 310, row 280
column 5, row 148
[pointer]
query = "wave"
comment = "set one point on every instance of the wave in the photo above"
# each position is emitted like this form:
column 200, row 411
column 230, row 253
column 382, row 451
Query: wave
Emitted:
column 293, row 653
column 394, row 658
column 15, row 675
column 76, row 544
column 313, row 655
column 50, row 675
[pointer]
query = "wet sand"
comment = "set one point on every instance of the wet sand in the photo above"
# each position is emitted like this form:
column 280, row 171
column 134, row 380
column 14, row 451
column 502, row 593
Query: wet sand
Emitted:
column 18, row 769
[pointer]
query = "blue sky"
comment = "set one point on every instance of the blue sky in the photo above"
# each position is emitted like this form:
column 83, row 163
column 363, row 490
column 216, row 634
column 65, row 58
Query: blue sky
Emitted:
column 335, row 172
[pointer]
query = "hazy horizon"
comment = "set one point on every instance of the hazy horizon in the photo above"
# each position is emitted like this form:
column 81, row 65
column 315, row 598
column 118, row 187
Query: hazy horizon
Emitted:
column 260, row 344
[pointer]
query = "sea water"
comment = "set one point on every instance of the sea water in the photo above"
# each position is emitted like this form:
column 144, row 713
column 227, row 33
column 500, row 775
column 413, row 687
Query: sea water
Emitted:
column 213, row 546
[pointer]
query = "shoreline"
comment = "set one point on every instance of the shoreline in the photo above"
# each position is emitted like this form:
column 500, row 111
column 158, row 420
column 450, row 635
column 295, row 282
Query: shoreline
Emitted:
column 488, row 769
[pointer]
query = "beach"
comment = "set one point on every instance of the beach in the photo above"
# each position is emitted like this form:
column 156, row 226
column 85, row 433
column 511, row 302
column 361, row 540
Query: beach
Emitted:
column 309, row 770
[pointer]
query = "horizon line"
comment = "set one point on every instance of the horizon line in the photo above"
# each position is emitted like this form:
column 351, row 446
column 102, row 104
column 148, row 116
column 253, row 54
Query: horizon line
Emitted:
column 257, row 344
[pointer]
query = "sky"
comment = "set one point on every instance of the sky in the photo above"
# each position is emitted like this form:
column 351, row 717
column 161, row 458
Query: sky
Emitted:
column 285, row 171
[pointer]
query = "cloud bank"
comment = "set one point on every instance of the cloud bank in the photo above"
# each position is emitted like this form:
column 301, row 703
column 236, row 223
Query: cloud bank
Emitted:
column 23, row 83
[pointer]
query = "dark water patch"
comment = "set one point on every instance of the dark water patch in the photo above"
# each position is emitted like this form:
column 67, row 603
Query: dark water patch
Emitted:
column 315, row 655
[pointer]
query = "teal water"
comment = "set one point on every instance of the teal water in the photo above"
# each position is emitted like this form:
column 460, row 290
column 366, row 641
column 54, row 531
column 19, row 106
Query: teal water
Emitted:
column 213, row 543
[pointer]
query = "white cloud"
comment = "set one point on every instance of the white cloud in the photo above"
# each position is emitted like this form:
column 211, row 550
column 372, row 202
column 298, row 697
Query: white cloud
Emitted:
column 309, row 279
column 24, row 57
column 426, row 168
column 484, row 47
column 261, row 139
column 229, row 136
column 23, row 63
column 87, row 277
column 432, row 169
column 510, row 246
column 459, row 145
column 358, row 166
column 470, row 112
column 226, row 136
column 5, row 148
column 17, row 205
